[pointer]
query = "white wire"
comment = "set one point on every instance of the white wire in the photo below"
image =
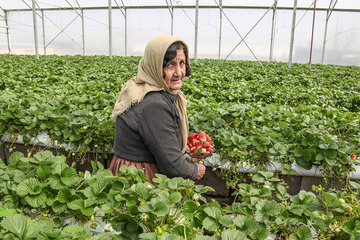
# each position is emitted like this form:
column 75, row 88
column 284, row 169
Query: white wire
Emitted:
column 338, row 33
column 179, row 4
column 305, row 13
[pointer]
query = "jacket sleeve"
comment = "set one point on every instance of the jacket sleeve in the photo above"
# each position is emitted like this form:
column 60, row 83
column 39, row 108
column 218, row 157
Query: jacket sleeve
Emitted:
column 158, row 130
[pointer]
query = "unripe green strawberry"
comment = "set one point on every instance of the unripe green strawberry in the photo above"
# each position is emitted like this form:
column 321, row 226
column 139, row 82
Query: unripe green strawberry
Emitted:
column 244, row 164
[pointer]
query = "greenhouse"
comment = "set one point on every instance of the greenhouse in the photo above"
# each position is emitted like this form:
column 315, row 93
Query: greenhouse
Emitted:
column 180, row 119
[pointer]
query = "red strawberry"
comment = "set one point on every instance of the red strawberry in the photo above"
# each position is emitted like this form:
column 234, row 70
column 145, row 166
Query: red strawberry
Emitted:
column 192, row 136
column 210, row 150
column 287, row 187
column 206, row 144
column 353, row 157
column 208, row 138
column 193, row 148
column 202, row 136
column 15, row 137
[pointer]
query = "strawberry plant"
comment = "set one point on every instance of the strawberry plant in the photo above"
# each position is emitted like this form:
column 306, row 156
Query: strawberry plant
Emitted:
column 267, row 114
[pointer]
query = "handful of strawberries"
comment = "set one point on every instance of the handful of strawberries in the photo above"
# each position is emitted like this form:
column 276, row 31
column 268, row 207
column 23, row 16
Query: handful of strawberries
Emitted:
column 200, row 143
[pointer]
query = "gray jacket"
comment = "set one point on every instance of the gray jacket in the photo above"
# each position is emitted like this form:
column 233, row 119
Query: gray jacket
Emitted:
column 150, row 132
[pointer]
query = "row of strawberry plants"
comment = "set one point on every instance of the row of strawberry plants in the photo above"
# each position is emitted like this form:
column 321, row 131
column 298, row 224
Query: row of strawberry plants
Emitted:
column 42, row 197
column 261, row 112
column 331, row 86
column 263, row 135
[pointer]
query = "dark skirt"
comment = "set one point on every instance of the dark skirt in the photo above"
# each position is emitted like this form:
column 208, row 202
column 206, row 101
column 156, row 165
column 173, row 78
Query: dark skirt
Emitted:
column 149, row 168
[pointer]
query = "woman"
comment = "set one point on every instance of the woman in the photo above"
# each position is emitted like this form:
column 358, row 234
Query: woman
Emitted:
column 151, row 121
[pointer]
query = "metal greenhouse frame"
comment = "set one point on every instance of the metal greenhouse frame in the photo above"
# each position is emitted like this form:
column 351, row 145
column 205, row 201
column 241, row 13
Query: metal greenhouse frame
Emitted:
column 168, row 4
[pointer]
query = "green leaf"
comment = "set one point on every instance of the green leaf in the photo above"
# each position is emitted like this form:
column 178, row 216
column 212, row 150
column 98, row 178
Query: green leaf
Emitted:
column 59, row 207
column 173, row 183
column 175, row 197
column 99, row 186
column 55, row 182
column 30, row 186
column 76, row 205
column 319, row 157
column 44, row 171
column 303, row 233
column 218, row 122
column 34, row 227
column 141, row 190
column 36, row 201
column 69, row 176
column 189, row 208
column 4, row 212
column 73, row 229
column 15, row 158
column 87, row 211
column 349, row 226
column 64, row 195
column 246, row 224
column 16, row 224
column 210, row 224
column 213, row 212
column 261, row 233
column 149, row 236
column 226, row 221
column 45, row 157
column 330, row 154
column 354, row 184
column 232, row 234
column 265, row 209
column 160, row 208
column 121, row 222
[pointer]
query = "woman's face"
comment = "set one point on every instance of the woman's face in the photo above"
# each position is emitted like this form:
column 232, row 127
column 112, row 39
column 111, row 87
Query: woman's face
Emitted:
column 174, row 71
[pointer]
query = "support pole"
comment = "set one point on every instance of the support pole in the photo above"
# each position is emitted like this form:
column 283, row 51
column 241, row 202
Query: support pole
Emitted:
column 82, row 32
column 35, row 30
column 196, row 30
column 325, row 33
column 110, row 31
column 220, row 28
column 312, row 35
column 292, row 34
column 7, row 32
column 328, row 14
column 172, row 21
column 43, row 30
column 125, row 32
column 273, row 31
column 171, row 10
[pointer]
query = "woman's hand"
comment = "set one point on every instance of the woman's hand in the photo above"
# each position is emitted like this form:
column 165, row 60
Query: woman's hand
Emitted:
column 201, row 170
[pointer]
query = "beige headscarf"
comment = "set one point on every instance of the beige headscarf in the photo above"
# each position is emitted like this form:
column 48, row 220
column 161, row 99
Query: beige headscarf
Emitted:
column 150, row 78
